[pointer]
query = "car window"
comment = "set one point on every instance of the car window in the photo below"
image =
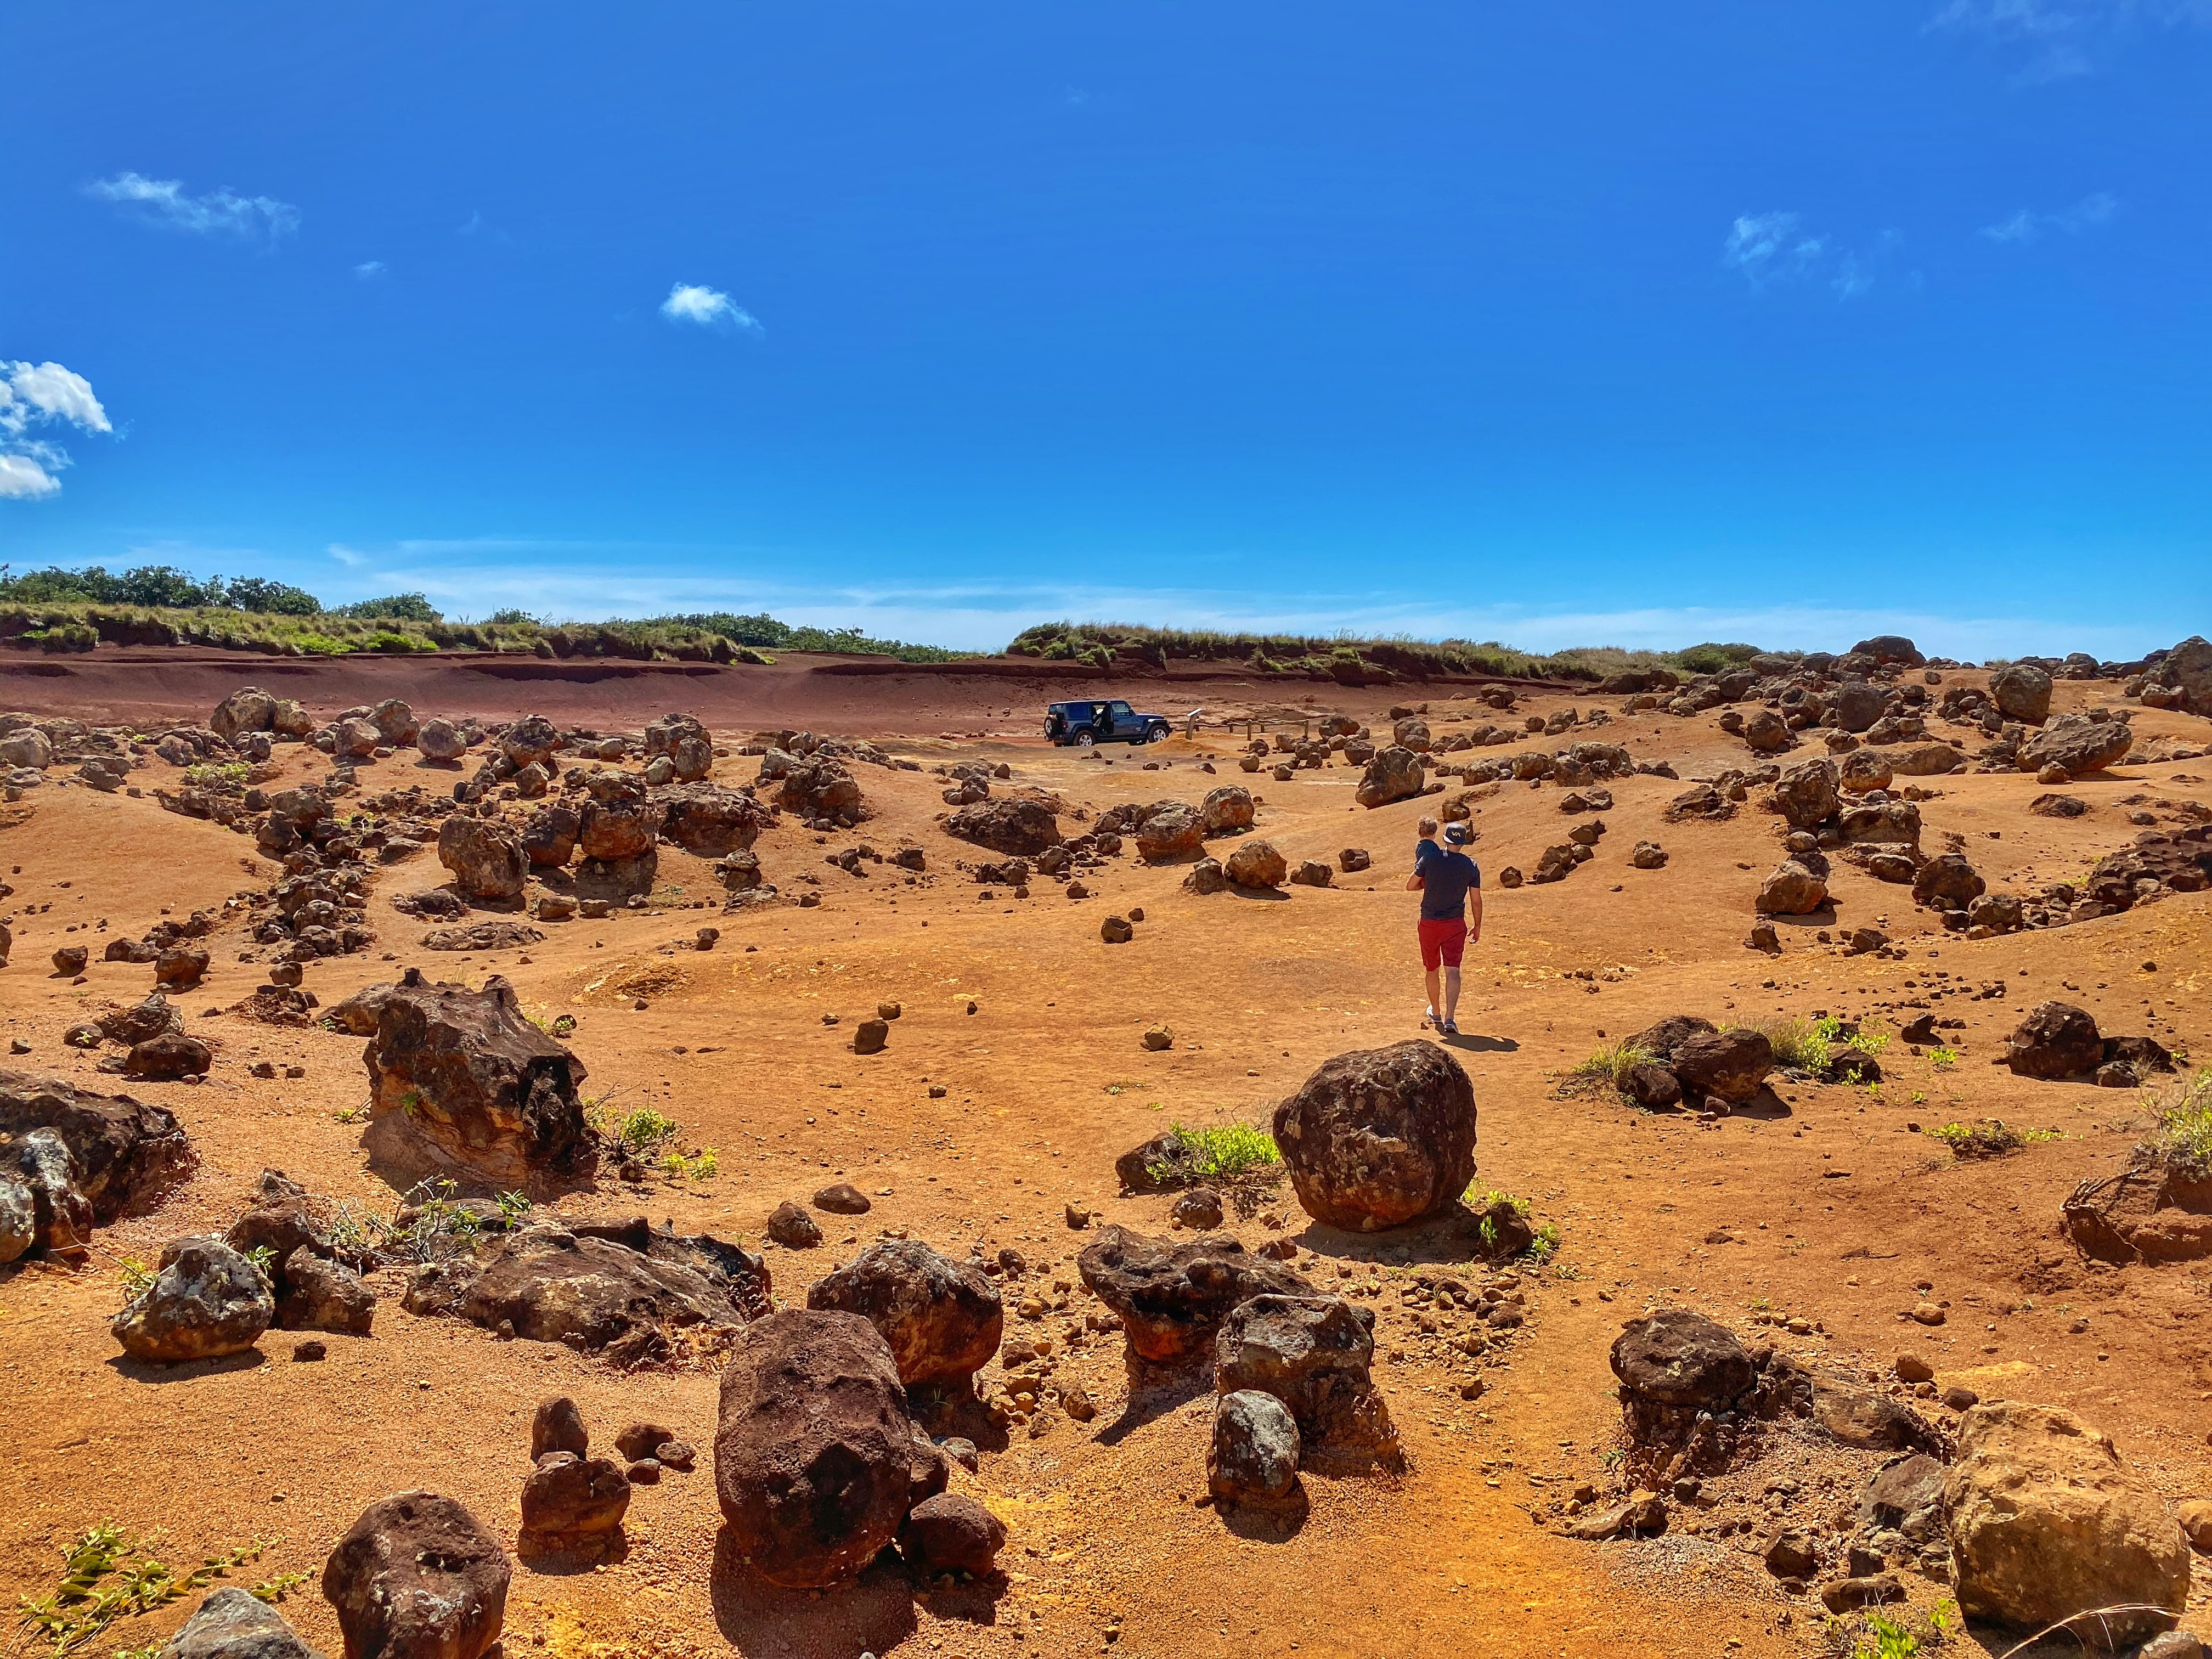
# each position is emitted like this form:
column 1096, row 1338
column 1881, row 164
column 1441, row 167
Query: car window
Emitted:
column 1121, row 708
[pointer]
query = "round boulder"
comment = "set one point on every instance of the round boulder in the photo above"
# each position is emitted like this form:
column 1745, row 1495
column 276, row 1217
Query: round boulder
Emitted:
column 571, row 1502
column 2056, row 1040
column 1226, row 809
column 813, row 1450
column 2021, row 692
column 941, row 1320
column 1254, row 1455
column 1256, row 864
column 1380, row 1137
column 1678, row 1357
column 206, row 1300
column 952, row 1533
column 418, row 1577
column 1170, row 833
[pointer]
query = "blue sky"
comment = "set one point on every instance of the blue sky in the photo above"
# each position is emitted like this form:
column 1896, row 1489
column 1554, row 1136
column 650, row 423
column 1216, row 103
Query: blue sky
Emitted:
column 1577, row 323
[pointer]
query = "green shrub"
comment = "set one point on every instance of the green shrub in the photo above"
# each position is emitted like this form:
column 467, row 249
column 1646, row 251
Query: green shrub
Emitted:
column 1225, row 1150
column 1994, row 1138
column 1613, row 1062
column 2184, row 1133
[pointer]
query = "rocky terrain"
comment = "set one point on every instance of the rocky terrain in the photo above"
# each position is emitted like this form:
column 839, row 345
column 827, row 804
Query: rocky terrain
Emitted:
column 475, row 1173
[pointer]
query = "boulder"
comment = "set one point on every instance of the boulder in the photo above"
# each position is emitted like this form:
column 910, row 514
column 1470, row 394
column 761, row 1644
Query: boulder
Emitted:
column 1395, row 774
column 571, row 1503
column 951, row 1531
column 558, row 1426
column 1353, row 860
column 126, row 1154
column 821, row 787
column 179, row 968
column 249, row 709
column 154, row 1016
column 1855, row 705
column 549, row 836
column 1889, row 822
column 843, row 1198
column 1313, row 1353
column 1767, row 733
column 1173, row 1297
column 169, row 1057
column 619, row 830
column 19, row 1219
column 44, row 1172
column 1205, row 877
column 941, row 1319
column 1869, row 1421
column 1021, row 829
column 2047, row 1523
column 1380, row 1137
column 2077, row 746
column 1905, row 1494
column 690, row 751
column 1226, row 809
column 813, row 1448
column 235, row 1623
column 2187, row 670
column 1257, row 865
column 790, row 1226
column 1864, row 771
column 1253, row 1456
column 712, row 823
column 321, row 1295
column 1806, row 794
column 461, row 1084
column 1792, row 891
column 1678, row 1357
column 2021, row 692
column 1731, row 1064
column 439, row 739
column 531, row 740
column 417, row 1576
column 2056, row 1040
column 1946, row 882
column 395, row 722
column 486, row 858
column 1171, row 832
column 205, row 1301
column 1651, row 1086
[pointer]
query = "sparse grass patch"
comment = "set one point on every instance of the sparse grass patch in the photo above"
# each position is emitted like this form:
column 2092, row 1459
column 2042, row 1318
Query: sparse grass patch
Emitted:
column 1817, row 1045
column 1227, row 1151
column 1995, row 1139
column 108, row 1574
column 1941, row 1058
column 1613, row 1062
column 2184, row 1134
column 701, row 1165
column 643, row 1131
column 208, row 773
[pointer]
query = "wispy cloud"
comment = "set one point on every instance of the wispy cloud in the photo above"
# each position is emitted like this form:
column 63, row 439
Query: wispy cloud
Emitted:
column 1772, row 248
column 369, row 270
column 706, row 307
column 2060, row 39
column 165, row 203
column 35, row 395
column 478, row 228
column 2026, row 226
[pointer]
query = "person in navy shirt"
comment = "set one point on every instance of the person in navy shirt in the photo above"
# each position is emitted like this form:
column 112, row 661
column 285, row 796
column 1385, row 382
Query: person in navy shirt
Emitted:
column 1450, row 886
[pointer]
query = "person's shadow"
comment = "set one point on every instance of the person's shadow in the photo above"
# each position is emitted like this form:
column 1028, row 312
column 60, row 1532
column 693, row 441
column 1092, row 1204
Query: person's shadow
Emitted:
column 1476, row 1044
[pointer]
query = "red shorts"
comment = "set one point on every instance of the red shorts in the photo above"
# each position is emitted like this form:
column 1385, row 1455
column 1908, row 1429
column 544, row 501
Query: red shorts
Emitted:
column 1442, row 943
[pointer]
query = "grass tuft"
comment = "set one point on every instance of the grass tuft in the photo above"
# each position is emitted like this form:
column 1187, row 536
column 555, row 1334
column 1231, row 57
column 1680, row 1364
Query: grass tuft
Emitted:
column 1613, row 1062
column 1226, row 1150
column 2184, row 1122
column 1995, row 1139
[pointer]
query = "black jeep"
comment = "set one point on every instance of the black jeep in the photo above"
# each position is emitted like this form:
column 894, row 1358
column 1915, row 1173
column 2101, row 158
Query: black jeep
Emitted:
column 1083, row 723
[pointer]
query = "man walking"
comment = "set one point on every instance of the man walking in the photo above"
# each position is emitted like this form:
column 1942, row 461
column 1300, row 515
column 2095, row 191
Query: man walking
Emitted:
column 1450, row 885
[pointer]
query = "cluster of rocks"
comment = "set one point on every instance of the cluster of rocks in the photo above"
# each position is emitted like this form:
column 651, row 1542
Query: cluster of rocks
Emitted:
column 2179, row 678
column 2058, row 1041
column 1691, row 1062
column 2157, row 1207
column 1558, row 862
column 71, row 1159
column 104, row 756
column 148, row 1039
column 573, row 1502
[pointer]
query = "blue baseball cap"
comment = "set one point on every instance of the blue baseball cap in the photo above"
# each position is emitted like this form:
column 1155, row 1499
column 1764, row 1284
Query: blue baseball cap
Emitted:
column 1457, row 833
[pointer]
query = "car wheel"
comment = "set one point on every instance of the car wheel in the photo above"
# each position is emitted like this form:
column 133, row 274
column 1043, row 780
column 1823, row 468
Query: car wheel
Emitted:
column 1158, row 735
column 1084, row 740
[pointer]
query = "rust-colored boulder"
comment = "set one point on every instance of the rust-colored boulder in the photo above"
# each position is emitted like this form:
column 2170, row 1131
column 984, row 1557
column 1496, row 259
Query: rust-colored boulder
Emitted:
column 942, row 1319
column 1380, row 1137
column 1022, row 828
column 418, row 1577
column 1173, row 1297
column 486, row 858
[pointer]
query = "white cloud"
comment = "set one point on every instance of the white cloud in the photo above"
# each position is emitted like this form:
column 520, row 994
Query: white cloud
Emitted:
column 369, row 270
column 219, row 213
column 34, row 395
column 2059, row 40
column 2092, row 210
column 689, row 302
column 1775, row 247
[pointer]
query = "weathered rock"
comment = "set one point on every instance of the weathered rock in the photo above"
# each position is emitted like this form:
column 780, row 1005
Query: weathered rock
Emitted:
column 179, row 968
column 321, row 1295
column 1872, row 1422
column 1353, row 860
column 395, row 722
column 614, row 830
column 1651, row 1086
column 462, row 1084
column 1899, row 1493
column 941, row 1320
column 711, row 823
column 45, row 1171
column 439, row 739
column 1022, row 828
column 205, row 1301
column 486, row 858
column 690, row 751
column 571, row 1503
column 1792, row 891
column 1678, row 1357
column 1947, row 882
column 1253, row 1457
column 1380, row 1137
column 417, row 1576
column 529, row 741
column 482, row 936
column 1857, row 705
column 1255, row 865
column 790, row 1226
column 2056, row 1040
column 1173, row 1297
column 19, row 1219
column 1395, row 774
column 549, row 836
column 1313, row 1355
column 1806, row 794
column 1893, row 821
column 1647, row 855
column 126, row 1154
column 952, row 1533
column 1732, row 1065
column 2047, row 1523
column 843, row 1198
column 1171, row 832
column 2021, row 692
column 1864, row 771
column 247, row 709
column 1226, row 809
column 1206, row 877
column 234, row 1624
column 822, row 787
column 813, row 1450
column 558, row 1426
column 2077, row 745
column 167, row 1058
column 149, row 1018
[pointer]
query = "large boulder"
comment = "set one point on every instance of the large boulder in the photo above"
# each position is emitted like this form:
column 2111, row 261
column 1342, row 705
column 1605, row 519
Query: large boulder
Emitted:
column 813, row 1448
column 235, row 1623
column 418, row 1577
column 690, row 751
column 1173, row 1297
column 485, row 856
column 951, row 1531
column 942, row 1319
column 612, row 1288
column 549, row 836
column 249, row 709
column 572, row 1502
column 439, row 739
column 1730, row 1065
column 1947, row 882
column 2021, row 692
column 1226, row 809
column 529, row 741
column 44, row 1172
column 821, row 787
column 1253, row 1455
column 712, row 823
column 1891, row 650
column 462, row 1084
column 1678, row 1357
column 2047, row 1523
column 205, row 1301
column 1022, row 828
column 2056, row 1040
column 1257, row 865
column 1313, row 1353
column 1395, row 774
column 1171, row 832
column 2078, row 745
column 1792, row 891
column 1380, row 1137
column 2187, row 669
column 611, row 831
column 322, row 1295
column 1855, row 705
column 1806, row 794
column 19, row 1219
column 127, row 1154
column 156, row 1015
column 1890, row 822
column 395, row 722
